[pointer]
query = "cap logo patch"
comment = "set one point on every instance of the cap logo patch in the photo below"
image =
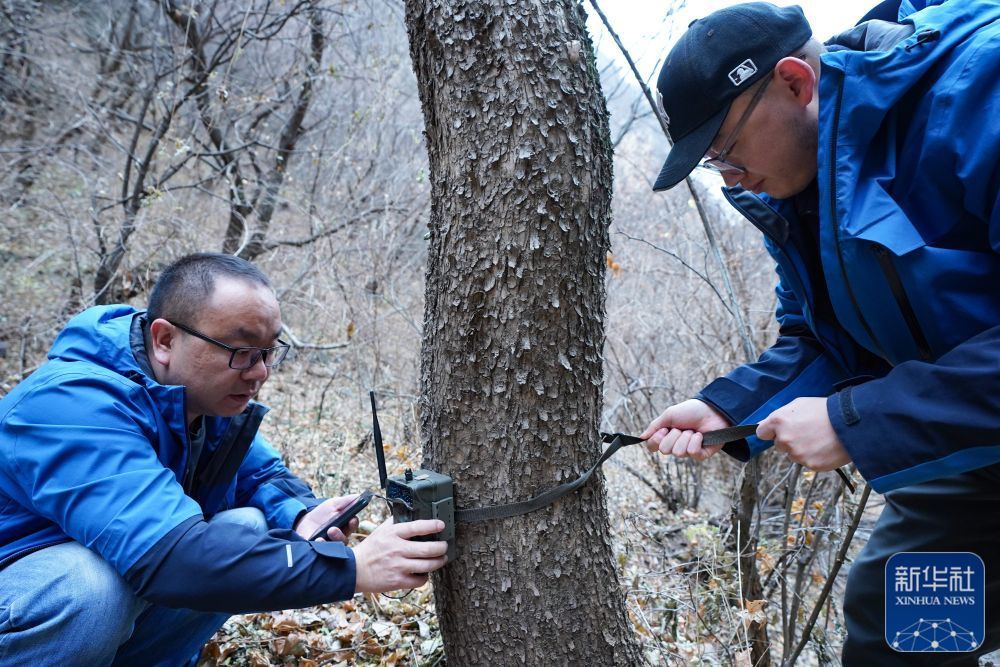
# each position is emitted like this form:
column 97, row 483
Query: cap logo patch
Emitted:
column 742, row 72
column 660, row 109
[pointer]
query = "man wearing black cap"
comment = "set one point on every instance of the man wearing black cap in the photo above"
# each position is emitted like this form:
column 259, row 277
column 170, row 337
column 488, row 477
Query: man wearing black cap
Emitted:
column 871, row 168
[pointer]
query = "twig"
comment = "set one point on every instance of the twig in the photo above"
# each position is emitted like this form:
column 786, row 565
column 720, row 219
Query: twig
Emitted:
column 673, row 255
column 735, row 309
column 298, row 344
column 832, row 576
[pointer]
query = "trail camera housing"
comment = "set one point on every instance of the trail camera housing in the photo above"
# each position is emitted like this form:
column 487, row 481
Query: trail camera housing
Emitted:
column 424, row 494
column 417, row 494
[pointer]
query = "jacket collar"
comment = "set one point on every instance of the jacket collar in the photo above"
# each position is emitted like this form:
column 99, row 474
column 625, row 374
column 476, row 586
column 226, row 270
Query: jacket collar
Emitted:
column 170, row 398
column 759, row 211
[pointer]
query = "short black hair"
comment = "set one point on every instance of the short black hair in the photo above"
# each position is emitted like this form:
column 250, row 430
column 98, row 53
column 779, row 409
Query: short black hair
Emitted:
column 184, row 286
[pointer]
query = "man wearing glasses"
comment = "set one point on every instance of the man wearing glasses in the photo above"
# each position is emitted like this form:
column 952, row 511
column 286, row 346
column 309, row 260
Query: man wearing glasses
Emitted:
column 871, row 168
column 138, row 505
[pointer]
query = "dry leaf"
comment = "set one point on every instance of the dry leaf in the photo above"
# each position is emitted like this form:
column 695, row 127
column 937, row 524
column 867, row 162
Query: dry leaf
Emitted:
column 256, row 659
column 212, row 650
column 286, row 625
column 753, row 612
column 382, row 628
column 371, row 647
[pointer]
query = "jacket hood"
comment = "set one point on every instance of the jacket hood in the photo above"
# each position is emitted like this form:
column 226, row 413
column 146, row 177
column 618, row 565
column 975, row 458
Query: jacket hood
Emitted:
column 101, row 336
column 852, row 118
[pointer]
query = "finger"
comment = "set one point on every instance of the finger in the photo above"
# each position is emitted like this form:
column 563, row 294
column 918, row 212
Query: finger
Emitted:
column 421, row 527
column 667, row 444
column 766, row 429
column 425, row 550
column 338, row 505
column 335, row 535
column 425, row 565
column 681, row 444
column 655, row 425
column 694, row 448
column 653, row 443
column 707, row 452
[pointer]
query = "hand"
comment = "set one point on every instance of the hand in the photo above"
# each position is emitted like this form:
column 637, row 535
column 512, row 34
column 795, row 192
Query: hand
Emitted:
column 678, row 430
column 388, row 560
column 322, row 513
column 802, row 430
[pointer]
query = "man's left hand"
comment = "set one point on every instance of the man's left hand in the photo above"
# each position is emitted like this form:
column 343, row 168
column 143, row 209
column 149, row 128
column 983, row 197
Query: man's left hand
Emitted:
column 802, row 430
column 322, row 513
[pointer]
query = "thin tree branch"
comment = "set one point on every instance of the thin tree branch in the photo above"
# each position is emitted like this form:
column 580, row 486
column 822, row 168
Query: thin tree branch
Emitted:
column 735, row 310
column 832, row 576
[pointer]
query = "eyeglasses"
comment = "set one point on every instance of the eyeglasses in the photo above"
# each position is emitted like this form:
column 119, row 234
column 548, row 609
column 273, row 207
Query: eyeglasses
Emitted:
column 242, row 358
column 719, row 163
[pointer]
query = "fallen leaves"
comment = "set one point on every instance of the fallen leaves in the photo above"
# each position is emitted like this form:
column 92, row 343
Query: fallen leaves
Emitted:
column 362, row 631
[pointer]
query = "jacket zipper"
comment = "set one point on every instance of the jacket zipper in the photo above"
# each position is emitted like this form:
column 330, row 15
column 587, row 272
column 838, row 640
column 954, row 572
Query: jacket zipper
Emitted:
column 896, row 285
column 833, row 216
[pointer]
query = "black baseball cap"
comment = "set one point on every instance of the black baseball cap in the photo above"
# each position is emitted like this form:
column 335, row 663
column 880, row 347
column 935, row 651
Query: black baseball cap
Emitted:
column 718, row 58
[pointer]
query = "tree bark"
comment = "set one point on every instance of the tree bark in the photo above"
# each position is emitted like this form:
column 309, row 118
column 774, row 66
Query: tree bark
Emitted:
column 520, row 171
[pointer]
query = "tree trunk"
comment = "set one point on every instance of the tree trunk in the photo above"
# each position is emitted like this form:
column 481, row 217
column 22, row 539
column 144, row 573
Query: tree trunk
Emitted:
column 520, row 170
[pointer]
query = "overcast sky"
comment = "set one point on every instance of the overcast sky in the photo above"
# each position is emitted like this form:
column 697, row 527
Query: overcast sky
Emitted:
column 648, row 32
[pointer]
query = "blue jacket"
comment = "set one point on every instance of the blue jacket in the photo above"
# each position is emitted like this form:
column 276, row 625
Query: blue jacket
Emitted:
column 889, row 300
column 93, row 449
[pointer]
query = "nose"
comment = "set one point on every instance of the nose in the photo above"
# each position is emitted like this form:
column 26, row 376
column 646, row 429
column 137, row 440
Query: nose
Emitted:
column 733, row 177
column 258, row 371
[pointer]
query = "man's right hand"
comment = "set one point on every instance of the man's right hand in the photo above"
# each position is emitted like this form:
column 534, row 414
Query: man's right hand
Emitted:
column 389, row 560
column 678, row 430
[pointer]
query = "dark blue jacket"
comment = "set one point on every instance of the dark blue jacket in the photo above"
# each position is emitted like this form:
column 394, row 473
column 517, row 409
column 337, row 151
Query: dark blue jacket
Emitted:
column 93, row 449
column 889, row 299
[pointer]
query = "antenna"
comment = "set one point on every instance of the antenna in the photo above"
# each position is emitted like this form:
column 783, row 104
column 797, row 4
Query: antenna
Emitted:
column 377, row 437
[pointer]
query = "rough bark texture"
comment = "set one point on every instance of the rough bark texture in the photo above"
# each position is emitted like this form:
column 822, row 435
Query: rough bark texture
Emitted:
column 520, row 166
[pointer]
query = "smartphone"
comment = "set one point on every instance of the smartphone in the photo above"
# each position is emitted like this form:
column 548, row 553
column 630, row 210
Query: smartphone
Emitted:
column 344, row 517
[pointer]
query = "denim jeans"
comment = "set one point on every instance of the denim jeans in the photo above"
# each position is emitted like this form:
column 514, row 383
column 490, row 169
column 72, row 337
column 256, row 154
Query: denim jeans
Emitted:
column 65, row 605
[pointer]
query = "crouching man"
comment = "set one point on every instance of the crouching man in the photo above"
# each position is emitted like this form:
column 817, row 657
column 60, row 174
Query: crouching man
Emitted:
column 139, row 507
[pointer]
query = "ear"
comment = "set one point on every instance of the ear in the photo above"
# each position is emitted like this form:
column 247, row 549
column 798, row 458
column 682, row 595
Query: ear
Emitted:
column 162, row 340
column 798, row 77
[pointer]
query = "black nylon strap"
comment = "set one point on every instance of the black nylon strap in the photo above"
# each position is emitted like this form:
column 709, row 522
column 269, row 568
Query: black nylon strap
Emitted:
column 617, row 440
column 724, row 435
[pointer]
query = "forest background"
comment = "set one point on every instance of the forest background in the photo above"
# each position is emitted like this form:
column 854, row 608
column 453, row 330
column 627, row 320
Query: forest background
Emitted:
column 291, row 133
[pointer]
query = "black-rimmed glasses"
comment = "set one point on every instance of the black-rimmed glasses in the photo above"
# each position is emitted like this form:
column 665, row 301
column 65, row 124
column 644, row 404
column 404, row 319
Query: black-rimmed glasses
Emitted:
column 242, row 358
column 719, row 163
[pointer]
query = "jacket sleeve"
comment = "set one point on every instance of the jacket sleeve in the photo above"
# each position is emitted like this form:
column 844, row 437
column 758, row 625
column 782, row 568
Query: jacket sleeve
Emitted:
column 925, row 420
column 225, row 568
column 796, row 365
column 264, row 482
